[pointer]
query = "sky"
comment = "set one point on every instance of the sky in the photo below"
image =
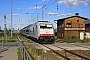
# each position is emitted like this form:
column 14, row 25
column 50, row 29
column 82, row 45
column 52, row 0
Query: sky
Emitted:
column 26, row 12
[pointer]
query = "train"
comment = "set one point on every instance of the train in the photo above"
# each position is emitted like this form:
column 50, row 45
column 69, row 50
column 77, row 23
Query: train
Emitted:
column 41, row 32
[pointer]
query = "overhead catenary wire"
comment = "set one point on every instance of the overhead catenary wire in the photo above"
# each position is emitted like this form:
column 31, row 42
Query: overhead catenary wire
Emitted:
column 47, row 5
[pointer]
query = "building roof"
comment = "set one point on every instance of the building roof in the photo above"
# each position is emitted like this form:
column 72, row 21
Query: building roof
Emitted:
column 87, row 22
column 71, row 17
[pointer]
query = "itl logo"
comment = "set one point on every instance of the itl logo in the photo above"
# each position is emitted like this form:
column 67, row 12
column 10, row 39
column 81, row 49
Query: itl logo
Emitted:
column 46, row 32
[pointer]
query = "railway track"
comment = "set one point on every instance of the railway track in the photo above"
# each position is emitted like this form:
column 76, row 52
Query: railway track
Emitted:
column 66, row 54
column 81, row 45
column 78, row 55
column 54, row 51
column 61, row 41
column 81, row 52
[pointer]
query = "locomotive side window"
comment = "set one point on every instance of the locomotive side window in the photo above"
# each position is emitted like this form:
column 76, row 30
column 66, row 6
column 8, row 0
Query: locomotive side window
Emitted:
column 33, row 30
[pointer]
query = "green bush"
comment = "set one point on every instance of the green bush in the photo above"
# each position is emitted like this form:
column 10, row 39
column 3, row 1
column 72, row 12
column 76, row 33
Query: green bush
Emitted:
column 55, row 37
column 82, row 41
column 72, row 39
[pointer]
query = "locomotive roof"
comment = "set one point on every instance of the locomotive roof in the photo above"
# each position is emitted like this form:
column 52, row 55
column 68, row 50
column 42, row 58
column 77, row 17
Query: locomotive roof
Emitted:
column 36, row 23
column 42, row 21
column 87, row 22
column 76, row 15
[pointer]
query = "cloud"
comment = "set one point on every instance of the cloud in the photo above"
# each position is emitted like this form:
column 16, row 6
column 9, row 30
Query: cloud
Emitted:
column 74, row 3
column 15, row 14
column 45, row 0
column 64, row 14
column 55, row 13
column 52, row 13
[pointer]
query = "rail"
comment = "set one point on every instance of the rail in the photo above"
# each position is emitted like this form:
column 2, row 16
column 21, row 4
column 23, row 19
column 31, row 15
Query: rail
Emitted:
column 65, row 57
column 73, row 53
column 24, row 52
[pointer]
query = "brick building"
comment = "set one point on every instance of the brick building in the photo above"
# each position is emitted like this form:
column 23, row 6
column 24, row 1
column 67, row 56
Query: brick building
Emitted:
column 70, row 26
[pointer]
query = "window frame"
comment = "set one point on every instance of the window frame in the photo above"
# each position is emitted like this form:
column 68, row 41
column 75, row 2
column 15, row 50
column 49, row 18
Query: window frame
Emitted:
column 69, row 24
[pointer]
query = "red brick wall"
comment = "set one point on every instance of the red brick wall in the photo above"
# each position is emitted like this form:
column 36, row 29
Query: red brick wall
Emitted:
column 76, row 23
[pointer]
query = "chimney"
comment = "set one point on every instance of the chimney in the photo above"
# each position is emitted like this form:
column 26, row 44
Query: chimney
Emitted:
column 77, row 14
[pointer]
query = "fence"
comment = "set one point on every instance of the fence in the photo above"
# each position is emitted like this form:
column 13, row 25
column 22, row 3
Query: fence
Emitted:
column 24, row 52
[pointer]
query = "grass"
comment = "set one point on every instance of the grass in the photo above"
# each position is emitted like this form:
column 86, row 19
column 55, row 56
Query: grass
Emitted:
column 39, row 51
column 34, row 52
column 75, row 39
column 19, row 54
column 7, row 38
column 55, row 37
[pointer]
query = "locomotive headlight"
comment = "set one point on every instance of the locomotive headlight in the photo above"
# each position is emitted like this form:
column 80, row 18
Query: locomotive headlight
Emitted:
column 41, row 34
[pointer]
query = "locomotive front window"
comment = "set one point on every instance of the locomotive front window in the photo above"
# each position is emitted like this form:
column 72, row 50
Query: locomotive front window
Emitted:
column 49, row 25
column 45, row 25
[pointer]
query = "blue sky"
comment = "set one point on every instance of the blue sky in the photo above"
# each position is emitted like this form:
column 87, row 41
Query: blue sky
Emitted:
column 52, row 10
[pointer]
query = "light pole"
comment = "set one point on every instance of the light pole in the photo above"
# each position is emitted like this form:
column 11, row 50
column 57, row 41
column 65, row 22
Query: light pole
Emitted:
column 11, row 18
column 43, row 11
column 37, row 13
column 5, row 29
column 2, row 37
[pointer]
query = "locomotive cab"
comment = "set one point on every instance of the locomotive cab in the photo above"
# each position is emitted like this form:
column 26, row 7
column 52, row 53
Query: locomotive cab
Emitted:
column 46, row 33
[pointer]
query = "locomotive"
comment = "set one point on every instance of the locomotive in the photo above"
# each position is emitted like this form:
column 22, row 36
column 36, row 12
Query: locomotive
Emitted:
column 41, row 31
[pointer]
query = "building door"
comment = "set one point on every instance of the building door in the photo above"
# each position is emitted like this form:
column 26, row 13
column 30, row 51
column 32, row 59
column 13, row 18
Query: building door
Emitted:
column 81, row 35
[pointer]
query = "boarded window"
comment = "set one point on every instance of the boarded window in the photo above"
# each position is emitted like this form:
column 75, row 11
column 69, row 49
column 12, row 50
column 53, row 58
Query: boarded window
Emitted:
column 69, row 24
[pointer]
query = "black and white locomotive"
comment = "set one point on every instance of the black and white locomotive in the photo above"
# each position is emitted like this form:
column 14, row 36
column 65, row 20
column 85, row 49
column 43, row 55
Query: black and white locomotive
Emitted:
column 42, row 31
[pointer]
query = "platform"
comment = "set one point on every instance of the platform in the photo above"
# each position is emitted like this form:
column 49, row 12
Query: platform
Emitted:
column 9, row 51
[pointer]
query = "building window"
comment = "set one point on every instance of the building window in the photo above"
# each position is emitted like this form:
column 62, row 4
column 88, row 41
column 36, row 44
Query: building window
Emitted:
column 69, row 24
column 62, row 25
